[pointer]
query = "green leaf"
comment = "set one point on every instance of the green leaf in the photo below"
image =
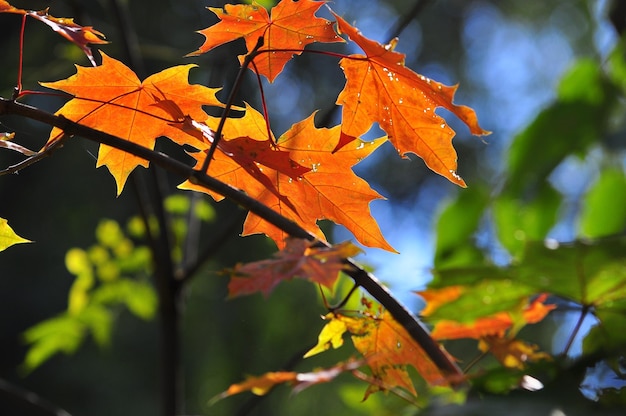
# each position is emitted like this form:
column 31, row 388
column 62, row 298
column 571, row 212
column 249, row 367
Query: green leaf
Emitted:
column 604, row 206
column 8, row 237
column 456, row 227
column 99, row 320
column 589, row 273
column 79, row 295
column 141, row 299
column 499, row 380
column 608, row 336
column 583, row 82
column 518, row 222
column 77, row 261
column 467, row 275
column 204, row 210
column 109, row 233
column 569, row 126
column 177, row 204
column 60, row 334
column 484, row 298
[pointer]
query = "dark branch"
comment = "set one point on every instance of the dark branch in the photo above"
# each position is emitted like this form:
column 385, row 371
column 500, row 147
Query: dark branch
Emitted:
column 364, row 279
column 27, row 401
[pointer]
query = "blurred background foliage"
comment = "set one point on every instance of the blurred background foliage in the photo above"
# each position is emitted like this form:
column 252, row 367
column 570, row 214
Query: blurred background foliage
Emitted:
column 548, row 78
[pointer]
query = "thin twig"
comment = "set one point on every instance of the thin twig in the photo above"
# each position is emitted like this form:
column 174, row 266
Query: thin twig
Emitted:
column 406, row 19
column 29, row 401
column 36, row 157
column 18, row 88
column 583, row 315
column 345, row 299
column 217, row 241
column 229, row 103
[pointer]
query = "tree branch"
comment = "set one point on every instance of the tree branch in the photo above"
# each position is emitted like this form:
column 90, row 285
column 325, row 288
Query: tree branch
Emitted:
column 29, row 402
column 364, row 279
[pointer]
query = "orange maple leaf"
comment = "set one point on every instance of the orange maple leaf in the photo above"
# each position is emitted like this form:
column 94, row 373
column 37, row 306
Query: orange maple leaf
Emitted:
column 495, row 333
column 263, row 384
column 379, row 88
column 112, row 99
column 297, row 259
column 437, row 297
column 5, row 7
column 494, row 325
column 252, row 155
column 79, row 35
column 330, row 190
column 388, row 349
column 291, row 27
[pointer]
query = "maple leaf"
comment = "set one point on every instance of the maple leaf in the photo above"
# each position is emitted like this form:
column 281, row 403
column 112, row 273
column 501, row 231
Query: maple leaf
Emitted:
column 386, row 347
column 299, row 259
column 249, row 154
column 5, row 7
column 8, row 237
column 291, row 27
column 263, row 384
column 493, row 325
column 82, row 36
column 379, row 88
column 330, row 190
column 331, row 335
column 112, row 99
column 496, row 333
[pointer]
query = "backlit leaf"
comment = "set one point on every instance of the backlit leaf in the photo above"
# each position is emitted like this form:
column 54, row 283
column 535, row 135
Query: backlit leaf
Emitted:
column 112, row 99
column 456, row 227
column 330, row 336
column 329, row 190
column 512, row 353
column 82, row 36
column 379, row 88
column 8, row 237
column 494, row 325
column 388, row 350
column 298, row 259
column 604, row 207
column 291, row 27
column 519, row 221
column 263, row 384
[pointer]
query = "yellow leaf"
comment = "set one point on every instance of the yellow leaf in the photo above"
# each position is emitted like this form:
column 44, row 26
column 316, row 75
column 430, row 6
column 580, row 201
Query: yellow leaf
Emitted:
column 331, row 335
column 8, row 236
column 512, row 353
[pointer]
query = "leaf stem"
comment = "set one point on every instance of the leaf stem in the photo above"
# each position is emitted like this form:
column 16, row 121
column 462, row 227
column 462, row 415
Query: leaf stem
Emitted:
column 345, row 299
column 229, row 103
column 266, row 114
column 474, row 361
column 583, row 314
column 29, row 402
column 18, row 88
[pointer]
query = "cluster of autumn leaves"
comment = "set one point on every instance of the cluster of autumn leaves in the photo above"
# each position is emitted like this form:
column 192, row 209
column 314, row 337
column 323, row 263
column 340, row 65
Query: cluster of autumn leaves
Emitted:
column 305, row 175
